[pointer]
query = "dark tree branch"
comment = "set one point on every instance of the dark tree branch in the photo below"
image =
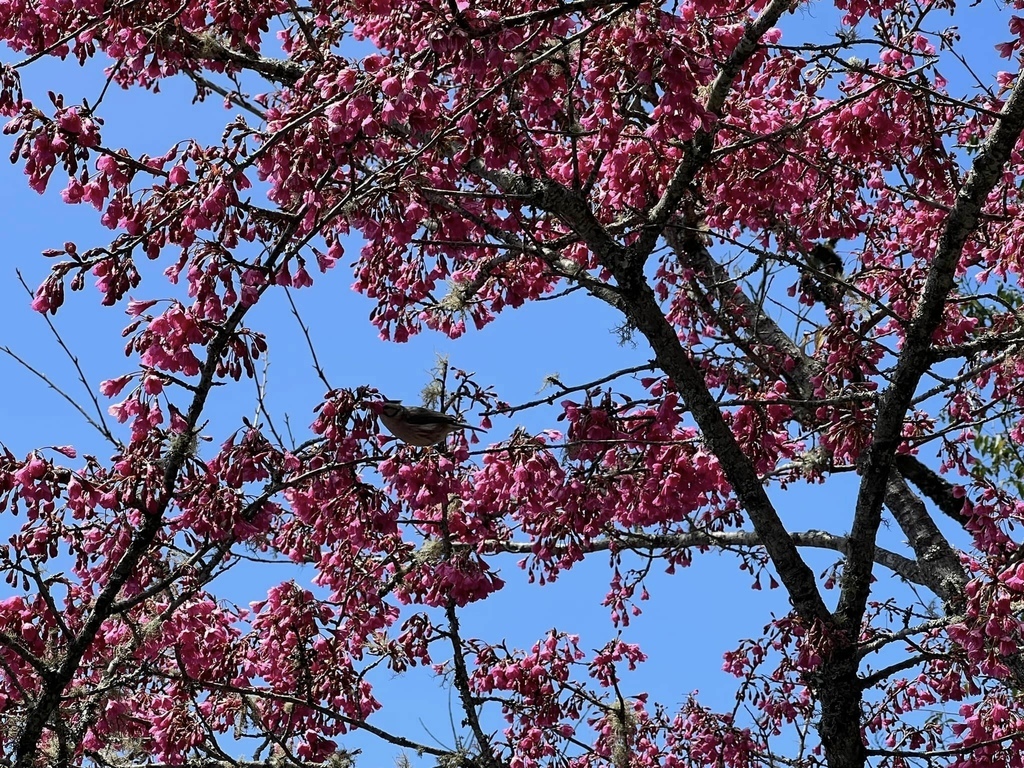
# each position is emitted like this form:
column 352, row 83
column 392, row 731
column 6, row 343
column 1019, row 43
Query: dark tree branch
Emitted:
column 207, row 46
column 940, row 564
column 701, row 145
column 915, row 356
column 645, row 313
column 932, row 485
column 902, row 566
column 938, row 561
column 640, row 306
column 49, row 701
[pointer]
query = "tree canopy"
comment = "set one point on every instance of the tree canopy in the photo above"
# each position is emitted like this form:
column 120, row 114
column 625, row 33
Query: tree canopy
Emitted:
column 815, row 237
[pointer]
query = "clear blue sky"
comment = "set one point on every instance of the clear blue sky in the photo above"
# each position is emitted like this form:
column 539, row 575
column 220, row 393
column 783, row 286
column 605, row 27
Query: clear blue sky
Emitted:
column 693, row 617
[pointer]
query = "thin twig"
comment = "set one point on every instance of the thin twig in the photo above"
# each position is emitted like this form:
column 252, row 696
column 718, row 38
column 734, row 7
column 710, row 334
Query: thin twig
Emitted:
column 261, row 405
column 8, row 351
column 309, row 341
column 102, row 426
column 649, row 366
column 235, row 98
column 307, row 33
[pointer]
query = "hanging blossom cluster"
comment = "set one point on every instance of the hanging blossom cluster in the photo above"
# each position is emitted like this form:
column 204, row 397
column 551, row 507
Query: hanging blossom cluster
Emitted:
column 798, row 231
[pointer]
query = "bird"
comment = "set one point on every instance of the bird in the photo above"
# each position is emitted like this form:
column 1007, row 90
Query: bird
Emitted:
column 823, row 257
column 419, row 426
column 819, row 287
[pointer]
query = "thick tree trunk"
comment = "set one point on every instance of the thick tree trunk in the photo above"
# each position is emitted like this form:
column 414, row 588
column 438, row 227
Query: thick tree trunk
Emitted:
column 839, row 693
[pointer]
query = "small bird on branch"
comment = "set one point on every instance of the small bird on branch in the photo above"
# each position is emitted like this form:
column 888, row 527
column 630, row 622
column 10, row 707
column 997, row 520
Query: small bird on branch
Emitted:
column 419, row 426
column 824, row 259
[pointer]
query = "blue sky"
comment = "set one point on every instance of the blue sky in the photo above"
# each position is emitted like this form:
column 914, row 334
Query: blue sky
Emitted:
column 692, row 617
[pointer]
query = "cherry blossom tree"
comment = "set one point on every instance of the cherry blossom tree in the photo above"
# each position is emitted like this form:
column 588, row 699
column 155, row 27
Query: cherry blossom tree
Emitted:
column 816, row 239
